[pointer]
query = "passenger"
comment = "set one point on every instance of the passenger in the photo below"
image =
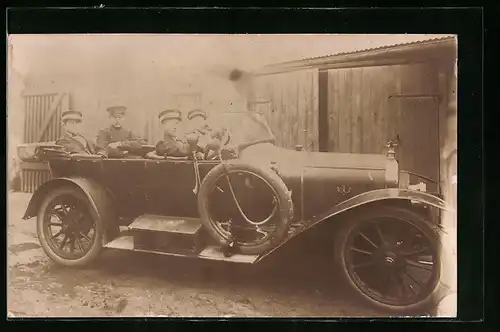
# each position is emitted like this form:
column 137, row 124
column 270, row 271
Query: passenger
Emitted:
column 72, row 139
column 174, row 144
column 116, row 141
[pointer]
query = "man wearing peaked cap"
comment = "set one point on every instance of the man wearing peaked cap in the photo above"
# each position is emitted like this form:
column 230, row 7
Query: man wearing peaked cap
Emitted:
column 197, row 121
column 196, row 112
column 116, row 141
column 170, row 114
column 210, row 139
column 72, row 139
column 174, row 143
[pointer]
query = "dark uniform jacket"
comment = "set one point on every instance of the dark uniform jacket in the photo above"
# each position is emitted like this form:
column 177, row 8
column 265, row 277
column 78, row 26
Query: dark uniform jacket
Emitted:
column 173, row 146
column 129, row 142
column 77, row 144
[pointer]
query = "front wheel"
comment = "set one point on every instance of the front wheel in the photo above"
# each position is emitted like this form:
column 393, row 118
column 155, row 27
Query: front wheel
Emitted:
column 389, row 257
column 68, row 228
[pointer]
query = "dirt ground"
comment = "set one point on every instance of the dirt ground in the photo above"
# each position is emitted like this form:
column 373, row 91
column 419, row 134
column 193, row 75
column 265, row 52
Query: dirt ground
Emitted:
column 132, row 284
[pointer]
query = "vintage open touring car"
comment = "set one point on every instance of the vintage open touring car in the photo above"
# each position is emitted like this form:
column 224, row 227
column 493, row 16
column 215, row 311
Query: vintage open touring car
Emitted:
column 244, row 208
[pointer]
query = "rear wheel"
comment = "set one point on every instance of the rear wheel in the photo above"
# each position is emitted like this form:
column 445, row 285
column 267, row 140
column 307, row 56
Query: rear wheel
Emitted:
column 68, row 228
column 389, row 257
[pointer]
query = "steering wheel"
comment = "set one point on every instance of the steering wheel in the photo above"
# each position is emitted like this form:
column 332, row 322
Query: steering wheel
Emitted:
column 176, row 158
column 251, row 143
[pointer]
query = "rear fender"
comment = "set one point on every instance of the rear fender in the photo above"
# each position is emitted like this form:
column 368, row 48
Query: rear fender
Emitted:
column 389, row 195
column 99, row 198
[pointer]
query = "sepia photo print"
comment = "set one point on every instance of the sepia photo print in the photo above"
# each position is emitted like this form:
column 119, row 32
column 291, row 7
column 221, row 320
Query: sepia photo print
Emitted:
column 185, row 175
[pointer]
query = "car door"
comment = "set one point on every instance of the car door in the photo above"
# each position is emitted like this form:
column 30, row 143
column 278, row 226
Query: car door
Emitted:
column 125, row 178
column 169, row 187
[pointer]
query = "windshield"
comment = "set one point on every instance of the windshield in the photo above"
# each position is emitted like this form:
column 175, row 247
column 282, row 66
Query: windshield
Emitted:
column 244, row 127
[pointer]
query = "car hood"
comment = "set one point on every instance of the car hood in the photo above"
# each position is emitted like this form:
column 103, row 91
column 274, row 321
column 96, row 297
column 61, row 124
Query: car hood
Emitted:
column 268, row 153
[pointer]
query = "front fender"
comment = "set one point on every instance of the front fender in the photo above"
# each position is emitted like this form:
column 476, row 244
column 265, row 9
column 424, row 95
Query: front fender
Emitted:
column 378, row 195
column 386, row 194
column 99, row 197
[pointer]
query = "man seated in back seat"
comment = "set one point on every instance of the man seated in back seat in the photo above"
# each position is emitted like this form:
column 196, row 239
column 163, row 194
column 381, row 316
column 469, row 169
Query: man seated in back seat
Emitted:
column 115, row 141
column 72, row 140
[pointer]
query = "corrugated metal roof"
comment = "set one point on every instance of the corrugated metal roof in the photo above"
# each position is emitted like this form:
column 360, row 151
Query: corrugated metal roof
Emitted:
column 360, row 51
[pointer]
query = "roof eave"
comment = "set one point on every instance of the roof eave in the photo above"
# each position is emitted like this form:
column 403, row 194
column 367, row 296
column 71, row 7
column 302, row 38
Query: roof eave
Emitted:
column 400, row 54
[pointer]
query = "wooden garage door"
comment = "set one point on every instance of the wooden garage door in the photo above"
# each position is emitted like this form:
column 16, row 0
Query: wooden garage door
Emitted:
column 369, row 106
column 292, row 112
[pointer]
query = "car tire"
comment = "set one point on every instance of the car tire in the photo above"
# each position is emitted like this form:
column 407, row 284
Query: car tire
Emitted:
column 429, row 299
column 282, row 195
column 95, row 247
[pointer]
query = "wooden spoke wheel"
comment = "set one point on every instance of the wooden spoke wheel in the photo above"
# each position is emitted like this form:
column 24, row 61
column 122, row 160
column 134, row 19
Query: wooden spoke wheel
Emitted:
column 390, row 257
column 68, row 228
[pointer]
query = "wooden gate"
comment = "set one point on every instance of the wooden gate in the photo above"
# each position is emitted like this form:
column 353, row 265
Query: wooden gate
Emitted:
column 42, row 123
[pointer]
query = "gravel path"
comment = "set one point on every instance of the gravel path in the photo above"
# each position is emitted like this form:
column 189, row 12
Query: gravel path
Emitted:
column 131, row 284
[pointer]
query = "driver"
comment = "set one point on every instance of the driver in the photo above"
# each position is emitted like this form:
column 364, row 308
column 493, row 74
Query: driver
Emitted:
column 210, row 139
column 198, row 122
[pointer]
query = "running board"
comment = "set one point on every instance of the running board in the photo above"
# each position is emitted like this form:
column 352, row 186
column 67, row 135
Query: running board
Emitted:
column 214, row 253
column 126, row 242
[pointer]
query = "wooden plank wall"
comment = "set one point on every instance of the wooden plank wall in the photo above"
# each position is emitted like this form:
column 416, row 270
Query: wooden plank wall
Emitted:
column 292, row 113
column 364, row 113
column 358, row 109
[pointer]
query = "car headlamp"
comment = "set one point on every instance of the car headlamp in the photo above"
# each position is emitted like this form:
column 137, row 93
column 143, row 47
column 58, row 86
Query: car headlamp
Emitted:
column 391, row 166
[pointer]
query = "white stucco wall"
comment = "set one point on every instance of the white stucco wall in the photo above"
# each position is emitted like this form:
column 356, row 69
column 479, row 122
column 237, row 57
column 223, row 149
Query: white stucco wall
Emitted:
column 449, row 179
column 15, row 108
